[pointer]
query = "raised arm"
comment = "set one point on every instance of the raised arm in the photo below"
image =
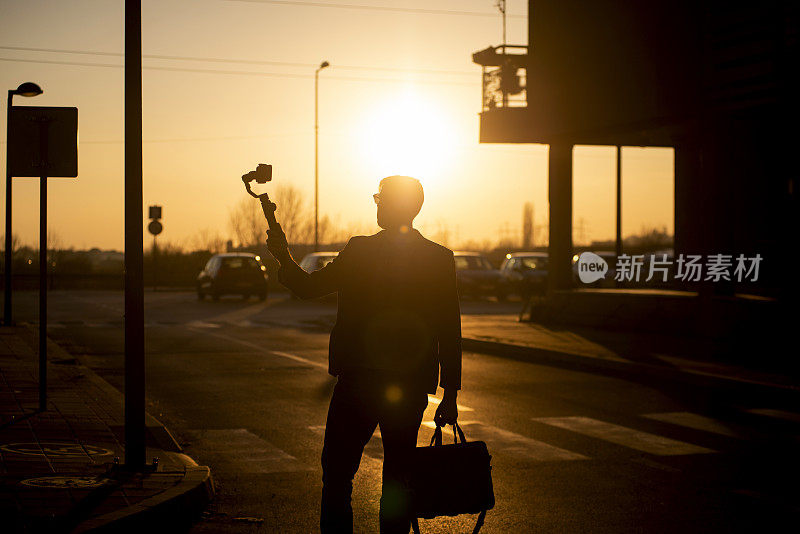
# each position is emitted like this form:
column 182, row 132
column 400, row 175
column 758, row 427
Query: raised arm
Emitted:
column 304, row 285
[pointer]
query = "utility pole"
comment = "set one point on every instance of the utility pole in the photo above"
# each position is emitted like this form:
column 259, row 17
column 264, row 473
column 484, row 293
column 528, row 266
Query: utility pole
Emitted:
column 134, row 254
column 322, row 65
column 527, row 225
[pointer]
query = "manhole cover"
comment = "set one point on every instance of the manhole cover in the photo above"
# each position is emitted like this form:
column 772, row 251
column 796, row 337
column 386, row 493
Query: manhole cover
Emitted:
column 55, row 450
column 64, row 482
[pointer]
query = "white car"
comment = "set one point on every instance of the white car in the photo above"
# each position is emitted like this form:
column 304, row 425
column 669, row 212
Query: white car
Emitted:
column 317, row 260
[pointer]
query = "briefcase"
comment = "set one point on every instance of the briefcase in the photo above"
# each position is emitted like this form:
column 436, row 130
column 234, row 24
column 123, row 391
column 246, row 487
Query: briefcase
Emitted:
column 450, row 479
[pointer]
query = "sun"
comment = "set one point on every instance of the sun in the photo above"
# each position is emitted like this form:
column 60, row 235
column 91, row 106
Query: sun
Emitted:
column 407, row 135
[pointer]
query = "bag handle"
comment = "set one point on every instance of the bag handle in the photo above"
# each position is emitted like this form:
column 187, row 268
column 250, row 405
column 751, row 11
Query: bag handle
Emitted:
column 436, row 439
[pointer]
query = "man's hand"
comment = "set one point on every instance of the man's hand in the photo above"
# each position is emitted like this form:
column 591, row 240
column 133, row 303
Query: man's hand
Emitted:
column 277, row 245
column 447, row 411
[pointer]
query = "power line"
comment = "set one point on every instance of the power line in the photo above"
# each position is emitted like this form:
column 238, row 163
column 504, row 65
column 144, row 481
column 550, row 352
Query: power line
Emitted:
column 232, row 60
column 408, row 10
column 199, row 139
column 237, row 73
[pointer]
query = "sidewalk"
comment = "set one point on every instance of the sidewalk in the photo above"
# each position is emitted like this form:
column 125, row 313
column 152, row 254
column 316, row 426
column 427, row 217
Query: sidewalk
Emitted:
column 677, row 357
column 59, row 470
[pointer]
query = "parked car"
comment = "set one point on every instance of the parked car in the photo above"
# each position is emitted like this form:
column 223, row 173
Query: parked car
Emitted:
column 314, row 262
column 524, row 273
column 239, row 273
column 476, row 276
column 317, row 260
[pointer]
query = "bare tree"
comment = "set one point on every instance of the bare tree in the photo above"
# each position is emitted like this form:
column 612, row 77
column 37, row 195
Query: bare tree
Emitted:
column 295, row 219
column 54, row 247
column 248, row 225
column 246, row 222
column 205, row 239
column 442, row 233
column 15, row 242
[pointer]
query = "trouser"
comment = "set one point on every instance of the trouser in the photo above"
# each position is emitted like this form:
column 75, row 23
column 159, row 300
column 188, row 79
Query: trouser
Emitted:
column 359, row 404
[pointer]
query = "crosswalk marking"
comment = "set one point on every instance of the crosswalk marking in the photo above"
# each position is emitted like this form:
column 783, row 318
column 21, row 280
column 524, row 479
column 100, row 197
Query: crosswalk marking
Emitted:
column 694, row 421
column 437, row 401
column 240, row 447
column 261, row 349
column 627, row 437
column 373, row 450
column 202, row 324
column 447, row 430
column 506, row 442
column 501, row 442
column 776, row 414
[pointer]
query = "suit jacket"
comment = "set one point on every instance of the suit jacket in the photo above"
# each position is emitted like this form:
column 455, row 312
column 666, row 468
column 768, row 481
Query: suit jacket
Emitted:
column 398, row 310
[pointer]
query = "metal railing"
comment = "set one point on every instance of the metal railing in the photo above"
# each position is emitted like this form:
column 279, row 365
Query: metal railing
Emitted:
column 504, row 76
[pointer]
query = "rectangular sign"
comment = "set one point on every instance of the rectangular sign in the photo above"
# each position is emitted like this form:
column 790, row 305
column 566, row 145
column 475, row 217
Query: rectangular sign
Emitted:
column 43, row 141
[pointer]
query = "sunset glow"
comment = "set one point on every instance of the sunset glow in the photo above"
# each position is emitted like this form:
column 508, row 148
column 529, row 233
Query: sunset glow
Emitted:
column 407, row 135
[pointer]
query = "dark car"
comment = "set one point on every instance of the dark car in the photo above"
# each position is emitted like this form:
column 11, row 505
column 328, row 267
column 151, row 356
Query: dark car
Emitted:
column 234, row 273
column 525, row 273
column 476, row 276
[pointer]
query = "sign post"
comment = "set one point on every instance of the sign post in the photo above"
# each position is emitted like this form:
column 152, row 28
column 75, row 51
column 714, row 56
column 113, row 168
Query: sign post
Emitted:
column 155, row 227
column 44, row 144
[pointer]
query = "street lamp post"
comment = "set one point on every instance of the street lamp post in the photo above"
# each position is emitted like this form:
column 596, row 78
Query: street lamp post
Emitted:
column 25, row 89
column 322, row 65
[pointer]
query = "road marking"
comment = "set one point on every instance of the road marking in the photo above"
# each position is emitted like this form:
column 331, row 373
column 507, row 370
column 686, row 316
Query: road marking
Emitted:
column 261, row 349
column 245, row 450
column 511, row 443
column 627, row 437
column 447, row 430
column 373, row 450
column 436, row 401
column 300, row 359
column 655, row 465
column 201, row 324
column 240, row 315
column 694, row 421
column 776, row 414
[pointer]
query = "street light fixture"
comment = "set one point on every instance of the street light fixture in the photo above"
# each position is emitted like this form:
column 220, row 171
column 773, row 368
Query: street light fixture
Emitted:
column 25, row 89
column 28, row 89
column 322, row 65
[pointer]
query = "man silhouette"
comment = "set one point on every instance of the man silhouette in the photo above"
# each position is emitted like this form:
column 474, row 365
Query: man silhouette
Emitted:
column 398, row 323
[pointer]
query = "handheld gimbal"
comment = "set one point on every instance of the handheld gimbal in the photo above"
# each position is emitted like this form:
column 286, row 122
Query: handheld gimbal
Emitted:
column 262, row 175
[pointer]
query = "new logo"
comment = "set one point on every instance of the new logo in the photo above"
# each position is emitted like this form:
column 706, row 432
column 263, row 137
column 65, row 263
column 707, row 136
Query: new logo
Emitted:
column 591, row 267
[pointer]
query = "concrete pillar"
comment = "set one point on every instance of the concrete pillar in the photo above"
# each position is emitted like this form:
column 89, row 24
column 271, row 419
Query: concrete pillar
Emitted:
column 560, row 198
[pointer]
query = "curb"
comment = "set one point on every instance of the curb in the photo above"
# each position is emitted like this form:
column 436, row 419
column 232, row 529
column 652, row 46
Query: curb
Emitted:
column 177, row 506
column 630, row 370
column 172, row 508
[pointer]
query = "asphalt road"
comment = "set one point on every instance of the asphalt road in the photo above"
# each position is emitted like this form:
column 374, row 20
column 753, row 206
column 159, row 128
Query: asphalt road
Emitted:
column 244, row 388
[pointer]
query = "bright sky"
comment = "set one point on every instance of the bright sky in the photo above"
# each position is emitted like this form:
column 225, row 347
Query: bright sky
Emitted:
column 401, row 97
